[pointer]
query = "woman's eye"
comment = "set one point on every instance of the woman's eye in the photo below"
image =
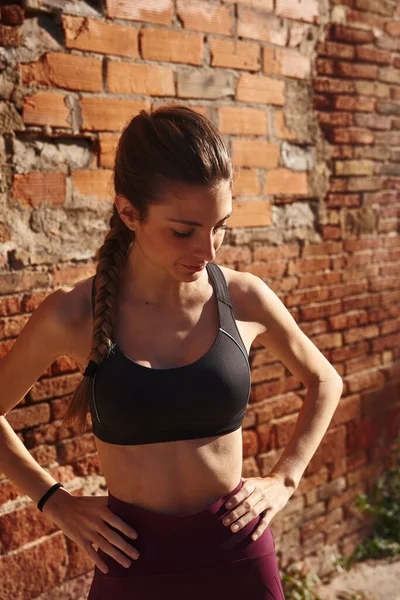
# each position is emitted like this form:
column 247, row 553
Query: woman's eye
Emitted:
column 189, row 233
column 182, row 235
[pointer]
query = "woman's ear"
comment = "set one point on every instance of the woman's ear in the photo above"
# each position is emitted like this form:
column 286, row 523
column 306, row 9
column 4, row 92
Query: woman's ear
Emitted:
column 128, row 213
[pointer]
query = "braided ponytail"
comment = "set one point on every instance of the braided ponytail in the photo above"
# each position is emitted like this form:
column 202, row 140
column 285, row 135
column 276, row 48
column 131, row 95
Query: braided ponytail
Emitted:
column 111, row 259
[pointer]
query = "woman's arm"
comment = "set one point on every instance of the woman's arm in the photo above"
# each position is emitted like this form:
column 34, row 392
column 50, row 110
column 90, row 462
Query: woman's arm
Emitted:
column 38, row 345
column 280, row 333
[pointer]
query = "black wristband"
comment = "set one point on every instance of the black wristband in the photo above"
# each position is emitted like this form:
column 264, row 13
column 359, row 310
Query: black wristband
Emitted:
column 47, row 495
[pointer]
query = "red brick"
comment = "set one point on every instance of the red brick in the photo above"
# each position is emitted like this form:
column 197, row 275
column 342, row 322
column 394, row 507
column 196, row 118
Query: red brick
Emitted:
column 56, row 386
column 68, row 71
column 288, row 63
column 393, row 28
column 44, row 455
column 285, row 181
column 109, row 114
column 303, row 10
column 265, row 269
column 237, row 120
column 10, row 36
column 96, row 183
column 75, row 448
column 266, row 390
column 331, row 85
column 198, row 15
column 94, row 35
column 250, row 213
column 12, row 15
column 325, row 66
column 246, row 182
column 352, row 136
column 352, row 35
column 387, row 342
column 108, row 145
column 171, row 46
column 274, row 408
column 365, row 381
column 308, row 265
column 284, row 429
column 140, row 11
column 362, row 364
column 335, row 119
column 12, row 326
column 255, row 153
column 135, row 78
column 353, row 70
column 259, row 89
column 28, row 416
column 29, row 572
column 10, row 305
column 231, row 254
column 381, row 7
column 335, row 49
column 373, row 55
column 353, row 103
column 348, row 409
column 88, row 465
column 365, row 19
column 37, row 188
column 23, row 526
column 46, row 108
column 324, row 279
column 9, row 491
column 78, row 560
column 332, row 448
column 250, row 443
column 282, row 131
column 43, row 434
column 343, row 321
column 360, row 333
column 266, row 436
column 259, row 23
column 67, row 275
column 277, row 252
column 240, row 55
column 266, row 373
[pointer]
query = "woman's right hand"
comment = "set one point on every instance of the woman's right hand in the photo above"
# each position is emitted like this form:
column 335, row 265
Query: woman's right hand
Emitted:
column 85, row 519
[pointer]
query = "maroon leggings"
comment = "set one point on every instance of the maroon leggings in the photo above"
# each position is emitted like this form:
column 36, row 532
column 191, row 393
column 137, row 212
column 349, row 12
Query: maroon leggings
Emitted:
column 190, row 556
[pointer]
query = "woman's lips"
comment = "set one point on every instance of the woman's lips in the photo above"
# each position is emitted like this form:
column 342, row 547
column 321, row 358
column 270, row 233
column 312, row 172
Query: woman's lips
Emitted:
column 194, row 268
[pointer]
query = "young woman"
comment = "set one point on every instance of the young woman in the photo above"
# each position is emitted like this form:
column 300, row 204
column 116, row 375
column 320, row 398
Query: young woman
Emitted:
column 165, row 335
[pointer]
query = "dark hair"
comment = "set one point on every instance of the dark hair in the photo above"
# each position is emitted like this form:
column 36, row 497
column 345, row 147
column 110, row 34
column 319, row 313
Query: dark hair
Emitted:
column 173, row 143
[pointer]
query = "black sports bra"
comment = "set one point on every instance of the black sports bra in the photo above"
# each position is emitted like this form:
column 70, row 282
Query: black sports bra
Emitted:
column 133, row 404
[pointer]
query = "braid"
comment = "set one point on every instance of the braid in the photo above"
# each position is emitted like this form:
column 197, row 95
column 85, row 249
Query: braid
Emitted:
column 111, row 259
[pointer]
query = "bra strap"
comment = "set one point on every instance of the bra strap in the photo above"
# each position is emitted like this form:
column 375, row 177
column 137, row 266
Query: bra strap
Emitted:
column 221, row 291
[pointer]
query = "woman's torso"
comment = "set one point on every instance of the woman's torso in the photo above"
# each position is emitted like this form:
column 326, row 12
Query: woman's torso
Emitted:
column 174, row 477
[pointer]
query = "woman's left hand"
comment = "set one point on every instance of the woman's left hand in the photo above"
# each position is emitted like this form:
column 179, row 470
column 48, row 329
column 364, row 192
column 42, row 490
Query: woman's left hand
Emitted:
column 257, row 495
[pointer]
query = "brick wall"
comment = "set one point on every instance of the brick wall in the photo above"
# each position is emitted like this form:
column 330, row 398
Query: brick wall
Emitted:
column 307, row 96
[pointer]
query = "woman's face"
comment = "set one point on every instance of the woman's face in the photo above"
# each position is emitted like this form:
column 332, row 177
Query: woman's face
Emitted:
column 184, row 231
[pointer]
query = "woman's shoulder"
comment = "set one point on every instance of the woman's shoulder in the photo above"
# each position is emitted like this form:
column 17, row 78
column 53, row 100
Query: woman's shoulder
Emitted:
column 73, row 307
column 242, row 286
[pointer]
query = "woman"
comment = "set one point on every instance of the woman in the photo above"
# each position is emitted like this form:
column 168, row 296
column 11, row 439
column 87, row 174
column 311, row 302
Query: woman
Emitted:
column 167, row 333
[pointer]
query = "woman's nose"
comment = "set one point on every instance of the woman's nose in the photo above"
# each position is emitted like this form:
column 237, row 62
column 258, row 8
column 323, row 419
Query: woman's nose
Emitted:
column 206, row 249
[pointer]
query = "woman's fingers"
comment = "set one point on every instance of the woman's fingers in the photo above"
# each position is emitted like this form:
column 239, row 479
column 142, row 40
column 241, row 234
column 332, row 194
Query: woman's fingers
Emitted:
column 94, row 556
column 118, row 523
column 111, row 550
column 114, row 538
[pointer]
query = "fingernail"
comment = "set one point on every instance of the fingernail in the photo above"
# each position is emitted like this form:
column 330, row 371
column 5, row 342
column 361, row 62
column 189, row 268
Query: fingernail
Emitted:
column 228, row 504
